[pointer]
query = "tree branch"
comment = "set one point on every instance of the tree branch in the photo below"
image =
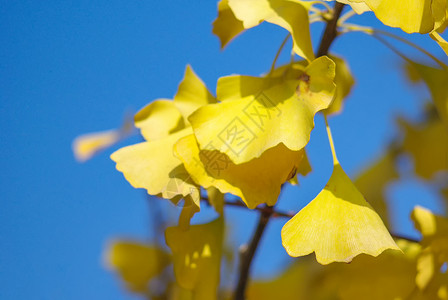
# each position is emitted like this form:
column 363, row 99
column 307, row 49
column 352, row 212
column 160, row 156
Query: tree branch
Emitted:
column 247, row 254
column 330, row 32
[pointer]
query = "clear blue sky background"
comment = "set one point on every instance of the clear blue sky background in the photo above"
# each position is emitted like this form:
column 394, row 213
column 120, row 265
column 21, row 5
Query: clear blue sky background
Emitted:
column 71, row 67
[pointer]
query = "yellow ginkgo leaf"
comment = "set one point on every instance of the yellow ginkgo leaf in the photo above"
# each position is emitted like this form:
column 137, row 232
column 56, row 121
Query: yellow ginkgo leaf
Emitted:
column 191, row 94
column 289, row 14
column 197, row 257
column 136, row 263
column 87, row 145
column 255, row 182
column 440, row 40
column 226, row 26
column 153, row 166
column 421, row 16
column 434, row 230
column 344, row 82
column 271, row 111
column 158, row 119
column 428, row 145
column 436, row 80
column 337, row 225
column 162, row 117
column 374, row 179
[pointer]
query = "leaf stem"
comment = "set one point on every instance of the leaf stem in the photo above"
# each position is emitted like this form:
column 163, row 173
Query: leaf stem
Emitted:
column 330, row 140
column 278, row 53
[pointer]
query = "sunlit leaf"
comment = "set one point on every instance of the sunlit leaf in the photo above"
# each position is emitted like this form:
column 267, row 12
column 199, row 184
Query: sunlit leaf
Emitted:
column 421, row 16
column 226, row 26
column 158, row 119
column 337, row 225
column 289, row 14
column 269, row 111
column 136, row 263
column 196, row 257
column 191, row 94
column 153, row 166
column 255, row 182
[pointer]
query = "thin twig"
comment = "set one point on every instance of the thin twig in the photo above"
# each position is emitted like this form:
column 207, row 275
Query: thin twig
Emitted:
column 247, row 254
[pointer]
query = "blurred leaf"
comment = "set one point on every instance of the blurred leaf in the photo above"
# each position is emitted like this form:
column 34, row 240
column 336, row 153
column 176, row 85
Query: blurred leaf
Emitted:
column 436, row 80
column 136, row 263
column 373, row 181
column 197, row 257
column 428, row 146
column 87, row 145
column 435, row 246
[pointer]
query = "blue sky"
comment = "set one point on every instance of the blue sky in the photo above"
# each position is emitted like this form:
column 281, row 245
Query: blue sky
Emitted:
column 72, row 67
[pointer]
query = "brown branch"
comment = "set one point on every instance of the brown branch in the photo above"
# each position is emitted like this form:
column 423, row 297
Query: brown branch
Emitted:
column 247, row 254
column 330, row 32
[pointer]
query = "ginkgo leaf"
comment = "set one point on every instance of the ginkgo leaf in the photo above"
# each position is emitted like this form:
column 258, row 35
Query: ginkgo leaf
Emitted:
column 196, row 257
column 344, row 82
column 163, row 117
column 440, row 40
column 428, row 145
column 289, row 14
column 87, row 145
column 337, row 225
column 153, row 166
column 421, row 16
column 255, row 182
column 373, row 181
column 273, row 111
column 137, row 263
column 191, row 94
column 158, row 119
column 226, row 26
column 389, row 276
column 435, row 242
